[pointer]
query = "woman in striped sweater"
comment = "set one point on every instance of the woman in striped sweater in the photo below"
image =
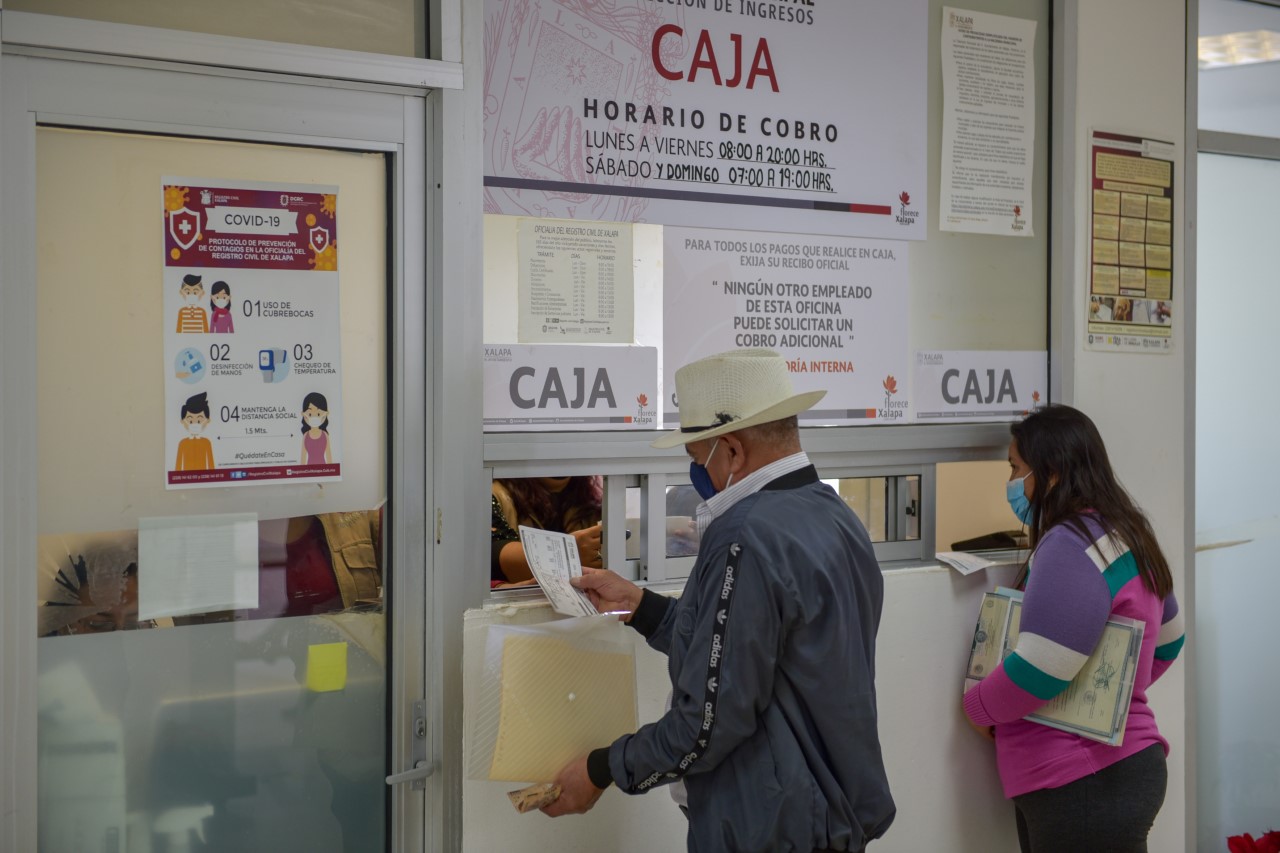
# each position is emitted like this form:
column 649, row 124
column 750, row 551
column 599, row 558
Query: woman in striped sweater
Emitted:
column 1094, row 556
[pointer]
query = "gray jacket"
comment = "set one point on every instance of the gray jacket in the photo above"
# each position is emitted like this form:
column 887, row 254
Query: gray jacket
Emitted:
column 772, row 660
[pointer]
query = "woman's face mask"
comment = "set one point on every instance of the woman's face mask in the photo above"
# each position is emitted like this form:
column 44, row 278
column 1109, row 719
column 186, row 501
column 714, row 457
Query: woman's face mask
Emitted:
column 315, row 422
column 221, row 303
column 1015, row 491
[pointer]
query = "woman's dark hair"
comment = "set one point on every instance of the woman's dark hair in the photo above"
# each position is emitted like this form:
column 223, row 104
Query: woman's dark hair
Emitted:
column 575, row 507
column 315, row 398
column 1073, row 477
column 220, row 287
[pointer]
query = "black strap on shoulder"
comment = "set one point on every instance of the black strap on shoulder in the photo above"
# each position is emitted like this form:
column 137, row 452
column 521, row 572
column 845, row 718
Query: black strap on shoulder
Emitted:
column 800, row 477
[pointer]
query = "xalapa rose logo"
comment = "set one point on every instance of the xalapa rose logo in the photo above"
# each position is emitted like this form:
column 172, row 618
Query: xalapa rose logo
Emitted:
column 643, row 415
column 1019, row 223
column 906, row 216
column 893, row 409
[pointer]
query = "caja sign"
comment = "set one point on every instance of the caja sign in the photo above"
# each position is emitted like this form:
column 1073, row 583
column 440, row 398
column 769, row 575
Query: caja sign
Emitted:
column 979, row 385
column 567, row 387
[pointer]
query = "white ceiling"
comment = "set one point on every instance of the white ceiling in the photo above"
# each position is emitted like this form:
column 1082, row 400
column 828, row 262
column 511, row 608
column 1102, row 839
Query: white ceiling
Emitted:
column 1245, row 99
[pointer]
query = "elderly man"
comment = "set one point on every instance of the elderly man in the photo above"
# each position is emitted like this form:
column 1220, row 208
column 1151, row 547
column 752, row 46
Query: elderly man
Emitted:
column 772, row 726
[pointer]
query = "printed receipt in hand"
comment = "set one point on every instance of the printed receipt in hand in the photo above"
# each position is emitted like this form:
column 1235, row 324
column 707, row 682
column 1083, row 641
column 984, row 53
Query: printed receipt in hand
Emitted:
column 553, row 557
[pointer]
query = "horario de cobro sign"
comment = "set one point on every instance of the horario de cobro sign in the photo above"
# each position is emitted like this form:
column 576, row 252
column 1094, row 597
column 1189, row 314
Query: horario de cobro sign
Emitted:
column 766, row 115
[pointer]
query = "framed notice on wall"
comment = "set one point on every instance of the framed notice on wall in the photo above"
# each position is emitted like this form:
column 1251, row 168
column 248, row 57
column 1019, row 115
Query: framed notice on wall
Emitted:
column 1131, row 300
column 252, row 357
column 757, row 114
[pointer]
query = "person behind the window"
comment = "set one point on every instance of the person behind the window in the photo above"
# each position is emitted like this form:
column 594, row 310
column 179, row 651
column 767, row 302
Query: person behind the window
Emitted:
column 561, row 504
column 1094, row 556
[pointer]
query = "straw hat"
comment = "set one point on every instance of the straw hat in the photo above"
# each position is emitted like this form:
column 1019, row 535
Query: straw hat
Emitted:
column 734, row 390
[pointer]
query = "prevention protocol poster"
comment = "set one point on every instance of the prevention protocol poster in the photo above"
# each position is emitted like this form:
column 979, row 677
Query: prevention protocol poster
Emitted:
column 754, row 114
column 252, row 360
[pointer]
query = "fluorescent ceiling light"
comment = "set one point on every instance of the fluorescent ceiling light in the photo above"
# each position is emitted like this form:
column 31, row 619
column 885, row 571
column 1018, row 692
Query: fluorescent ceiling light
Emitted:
column 1238, row 49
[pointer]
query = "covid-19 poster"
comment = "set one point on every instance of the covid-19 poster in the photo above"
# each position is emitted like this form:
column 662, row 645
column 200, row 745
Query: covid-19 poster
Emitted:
column 252, row 333
column 759, row 114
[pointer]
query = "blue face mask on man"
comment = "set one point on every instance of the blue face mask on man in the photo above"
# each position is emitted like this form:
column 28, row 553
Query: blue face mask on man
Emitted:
column 1015, row 492
column 701, row 479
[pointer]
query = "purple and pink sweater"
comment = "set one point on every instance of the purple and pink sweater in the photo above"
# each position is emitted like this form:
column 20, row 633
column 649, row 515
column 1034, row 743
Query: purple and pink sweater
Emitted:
column 1073, row 587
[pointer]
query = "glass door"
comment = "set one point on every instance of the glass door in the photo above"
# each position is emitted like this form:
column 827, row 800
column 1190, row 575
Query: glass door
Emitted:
column 1237, row 510
column 224, row 574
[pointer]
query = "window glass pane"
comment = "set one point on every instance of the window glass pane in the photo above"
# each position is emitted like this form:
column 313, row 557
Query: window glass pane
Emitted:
column 681, row 532
column 972, row 511
column 887, row 506
column 258, row 728
column 395, row 27
column 560, row 504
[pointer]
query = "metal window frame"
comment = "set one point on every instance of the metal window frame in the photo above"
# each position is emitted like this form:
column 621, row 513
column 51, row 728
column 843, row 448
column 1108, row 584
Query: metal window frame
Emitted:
column 627, row 461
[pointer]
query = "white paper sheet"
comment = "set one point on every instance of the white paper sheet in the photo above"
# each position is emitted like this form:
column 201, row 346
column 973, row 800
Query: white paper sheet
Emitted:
column 966, row 563
column 576, row 282
column 988, row 123
column 553, row 557
column 197, row 564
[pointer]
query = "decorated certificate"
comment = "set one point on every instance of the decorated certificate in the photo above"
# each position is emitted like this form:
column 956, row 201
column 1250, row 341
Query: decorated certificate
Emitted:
column 987, row 650
column 1095, row 704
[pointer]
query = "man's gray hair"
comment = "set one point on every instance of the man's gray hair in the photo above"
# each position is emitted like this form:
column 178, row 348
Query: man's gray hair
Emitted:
column 780, row 433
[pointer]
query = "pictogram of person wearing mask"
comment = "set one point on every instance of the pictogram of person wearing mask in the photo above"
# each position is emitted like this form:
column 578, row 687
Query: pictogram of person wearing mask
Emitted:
column 220, row 298
column 195, row 452
column 191, row 316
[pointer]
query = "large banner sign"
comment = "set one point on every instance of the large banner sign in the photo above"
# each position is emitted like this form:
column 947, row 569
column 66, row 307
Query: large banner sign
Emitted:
column 252, row 333
column 800, row 115
column 835, row 307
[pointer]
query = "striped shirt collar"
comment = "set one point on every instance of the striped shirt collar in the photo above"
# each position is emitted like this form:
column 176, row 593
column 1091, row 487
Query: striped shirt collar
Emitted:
column 720, row 503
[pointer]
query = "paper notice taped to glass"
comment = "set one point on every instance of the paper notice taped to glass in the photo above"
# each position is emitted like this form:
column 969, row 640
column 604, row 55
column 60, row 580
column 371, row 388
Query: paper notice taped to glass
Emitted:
column 553, row 558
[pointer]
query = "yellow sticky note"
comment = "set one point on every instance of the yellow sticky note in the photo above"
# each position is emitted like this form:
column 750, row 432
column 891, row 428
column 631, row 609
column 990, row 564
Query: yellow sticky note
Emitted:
column 326, row 667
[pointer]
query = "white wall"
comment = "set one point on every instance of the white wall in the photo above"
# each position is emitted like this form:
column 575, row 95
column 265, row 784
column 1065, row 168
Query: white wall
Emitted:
column 1130, row 71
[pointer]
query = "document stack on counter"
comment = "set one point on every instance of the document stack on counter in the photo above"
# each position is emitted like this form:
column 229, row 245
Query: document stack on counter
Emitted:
column 1095, row 704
